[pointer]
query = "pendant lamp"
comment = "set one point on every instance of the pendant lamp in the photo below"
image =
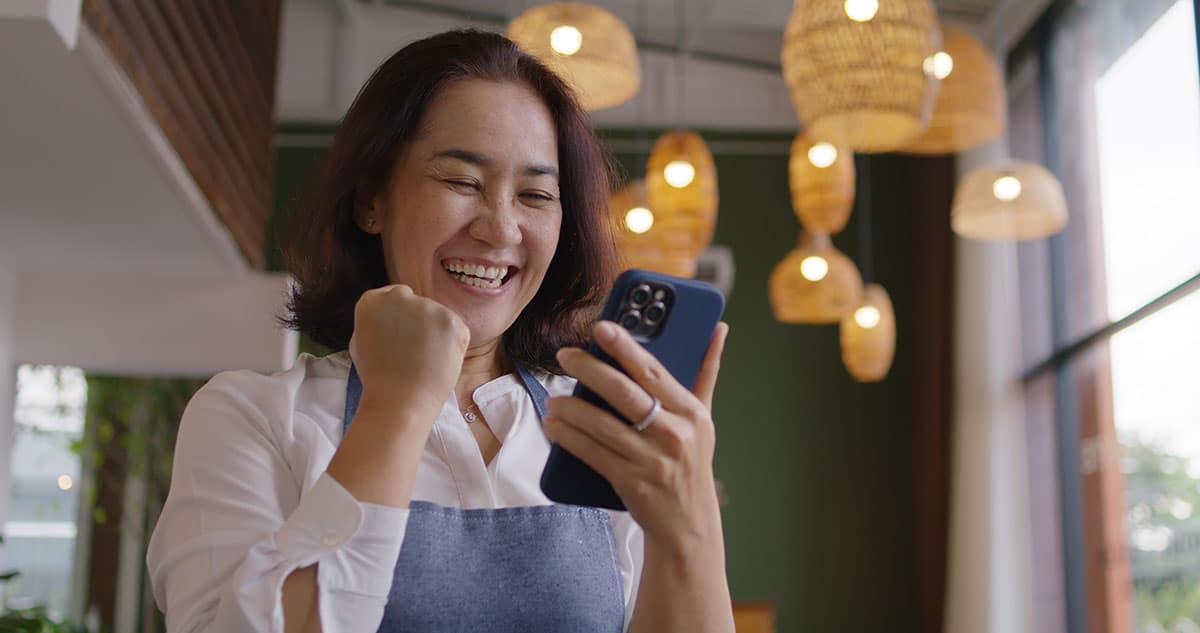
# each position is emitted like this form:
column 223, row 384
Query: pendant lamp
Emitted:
column 1014, row 200
column 971, row 106
column 821, row 177
column 588, row 46
column 815, row 283
column 856, row 69
column 645, row 240
column 681, row 189
column 868, row 336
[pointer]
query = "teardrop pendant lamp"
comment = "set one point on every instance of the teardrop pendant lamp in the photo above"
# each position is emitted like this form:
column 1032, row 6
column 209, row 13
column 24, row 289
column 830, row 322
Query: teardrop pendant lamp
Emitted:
column 646, row 240
column 681, row 189
column 971, row 106
column 586, row 45
column 1014, row 200
column 868, row 336
column 815, row 283
column 821, row 178
column 856, row 71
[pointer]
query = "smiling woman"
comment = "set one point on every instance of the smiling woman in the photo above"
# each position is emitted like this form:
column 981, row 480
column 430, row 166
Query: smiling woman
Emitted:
column 447, row 136
column 453, row 250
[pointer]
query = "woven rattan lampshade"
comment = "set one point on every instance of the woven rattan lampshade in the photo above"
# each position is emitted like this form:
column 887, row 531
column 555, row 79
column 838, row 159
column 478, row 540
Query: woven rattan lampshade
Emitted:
column 684, row 215
column 868, row 336
column 822, row 191
column 971, row 104
column 861, row 83
column 800, row 296
column 661, row 247
column 1015, row 200
column 603, row 67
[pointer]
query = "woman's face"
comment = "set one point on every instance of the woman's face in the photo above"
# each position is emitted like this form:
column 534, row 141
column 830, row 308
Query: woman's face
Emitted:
column 471, row 214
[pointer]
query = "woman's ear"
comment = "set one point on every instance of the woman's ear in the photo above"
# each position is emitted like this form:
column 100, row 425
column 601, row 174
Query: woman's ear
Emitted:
column 367, row 215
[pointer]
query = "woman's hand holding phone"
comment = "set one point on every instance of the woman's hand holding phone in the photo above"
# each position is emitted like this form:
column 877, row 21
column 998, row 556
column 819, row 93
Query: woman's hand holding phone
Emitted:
column 664, row 473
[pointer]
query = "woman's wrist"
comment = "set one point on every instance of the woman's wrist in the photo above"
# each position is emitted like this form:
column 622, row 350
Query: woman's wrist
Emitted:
column 690, row 541
column 398, row 409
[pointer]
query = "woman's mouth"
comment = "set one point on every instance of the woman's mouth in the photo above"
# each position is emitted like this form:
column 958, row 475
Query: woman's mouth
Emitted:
column 479, row 275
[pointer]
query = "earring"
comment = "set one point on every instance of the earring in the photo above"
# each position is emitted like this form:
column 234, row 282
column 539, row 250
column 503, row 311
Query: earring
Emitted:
column 371, row 223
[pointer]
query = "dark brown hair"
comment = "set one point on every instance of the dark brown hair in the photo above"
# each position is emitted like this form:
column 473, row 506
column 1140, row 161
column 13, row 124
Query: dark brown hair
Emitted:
column 334, row 261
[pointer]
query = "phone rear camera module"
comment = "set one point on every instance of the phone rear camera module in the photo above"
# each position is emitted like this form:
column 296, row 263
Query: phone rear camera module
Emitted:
column 640, row 296
column 656, row 312
column 630, row 320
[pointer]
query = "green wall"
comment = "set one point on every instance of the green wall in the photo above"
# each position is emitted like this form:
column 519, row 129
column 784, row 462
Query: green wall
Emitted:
column 817, row 468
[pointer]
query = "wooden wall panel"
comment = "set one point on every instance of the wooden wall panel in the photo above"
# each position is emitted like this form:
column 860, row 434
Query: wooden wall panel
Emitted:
column 206, row 71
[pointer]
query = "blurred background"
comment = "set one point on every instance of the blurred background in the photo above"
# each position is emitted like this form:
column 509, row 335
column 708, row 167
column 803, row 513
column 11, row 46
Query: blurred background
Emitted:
column 960, row 242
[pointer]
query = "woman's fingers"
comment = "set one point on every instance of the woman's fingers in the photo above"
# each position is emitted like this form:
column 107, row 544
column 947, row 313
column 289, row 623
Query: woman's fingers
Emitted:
column 600, row 426
column 614, row 387
column 599, row 457
column 706, row 381
column 643, row 368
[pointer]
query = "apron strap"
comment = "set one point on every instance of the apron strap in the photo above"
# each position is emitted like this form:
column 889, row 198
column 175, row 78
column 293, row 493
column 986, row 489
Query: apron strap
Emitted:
column 536, row 392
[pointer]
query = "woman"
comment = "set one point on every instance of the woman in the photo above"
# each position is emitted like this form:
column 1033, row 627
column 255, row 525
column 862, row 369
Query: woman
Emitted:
column 456, row 242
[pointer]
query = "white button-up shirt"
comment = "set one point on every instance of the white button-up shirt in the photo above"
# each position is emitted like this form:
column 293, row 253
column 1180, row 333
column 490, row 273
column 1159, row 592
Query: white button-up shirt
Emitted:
column 250, row 501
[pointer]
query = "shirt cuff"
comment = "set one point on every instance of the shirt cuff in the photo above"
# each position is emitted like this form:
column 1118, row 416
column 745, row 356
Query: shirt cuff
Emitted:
column 356, row 543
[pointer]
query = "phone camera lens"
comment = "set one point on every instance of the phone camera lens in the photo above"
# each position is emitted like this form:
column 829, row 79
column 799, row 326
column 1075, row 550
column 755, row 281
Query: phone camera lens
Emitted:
column 639, row 296
column 655, row 312
column 631, row 319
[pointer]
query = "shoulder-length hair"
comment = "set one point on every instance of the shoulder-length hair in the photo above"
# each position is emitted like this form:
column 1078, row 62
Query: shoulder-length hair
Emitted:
column 334, row 261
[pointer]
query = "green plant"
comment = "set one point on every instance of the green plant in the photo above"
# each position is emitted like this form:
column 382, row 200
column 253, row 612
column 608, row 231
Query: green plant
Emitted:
column 31, row 620
column 34, row 620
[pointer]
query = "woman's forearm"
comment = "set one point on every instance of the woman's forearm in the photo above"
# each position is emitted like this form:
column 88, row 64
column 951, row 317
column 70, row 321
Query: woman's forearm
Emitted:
column 376, row 462
column 683, row 587
column 377, row 459
column 300, row 602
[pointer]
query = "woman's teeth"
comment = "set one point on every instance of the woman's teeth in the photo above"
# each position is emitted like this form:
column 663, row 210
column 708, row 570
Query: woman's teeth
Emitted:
column 478, row 276
column 477, row 282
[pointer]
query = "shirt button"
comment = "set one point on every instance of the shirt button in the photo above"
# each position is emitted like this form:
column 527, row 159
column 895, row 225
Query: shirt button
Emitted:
column 331, row 538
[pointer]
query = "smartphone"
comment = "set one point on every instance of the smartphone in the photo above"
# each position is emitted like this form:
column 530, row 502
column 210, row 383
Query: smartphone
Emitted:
column 671, row 317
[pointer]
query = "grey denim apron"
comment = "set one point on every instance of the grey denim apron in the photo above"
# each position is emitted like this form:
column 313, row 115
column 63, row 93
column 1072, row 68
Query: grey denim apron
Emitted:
column 535, row 568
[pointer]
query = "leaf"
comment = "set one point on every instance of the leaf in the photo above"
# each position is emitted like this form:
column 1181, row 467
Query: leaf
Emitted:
column 9, row 575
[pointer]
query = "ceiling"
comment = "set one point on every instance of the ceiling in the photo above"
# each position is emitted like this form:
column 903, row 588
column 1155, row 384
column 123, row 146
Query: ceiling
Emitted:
column 70, row 153
column 749, row 31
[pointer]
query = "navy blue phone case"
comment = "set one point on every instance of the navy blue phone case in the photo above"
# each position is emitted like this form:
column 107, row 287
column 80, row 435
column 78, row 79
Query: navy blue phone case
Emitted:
column 680, row 345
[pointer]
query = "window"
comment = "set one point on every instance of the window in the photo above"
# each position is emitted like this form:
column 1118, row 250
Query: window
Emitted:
column 40, row 532
column 1107, row 95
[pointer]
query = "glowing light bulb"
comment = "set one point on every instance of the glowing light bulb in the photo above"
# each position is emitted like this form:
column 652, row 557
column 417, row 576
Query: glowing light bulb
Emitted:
column 861, row 10
column 939, row 64
column 814, row 268
column 639, row 220
column 65, row 482
column 566, row 40
column 822, row 155
column 1006, row 188
column 679, row 173
column 867, row 317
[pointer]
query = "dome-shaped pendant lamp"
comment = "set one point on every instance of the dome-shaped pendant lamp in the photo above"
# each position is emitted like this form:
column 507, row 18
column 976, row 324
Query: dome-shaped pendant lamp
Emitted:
column 588, row 46
column 681, row 188
column 1015, row 200
column 645, row 240
column 868, row 336
column 856, row 69
column 821, row 177
column 815, row 283
column 971, row 106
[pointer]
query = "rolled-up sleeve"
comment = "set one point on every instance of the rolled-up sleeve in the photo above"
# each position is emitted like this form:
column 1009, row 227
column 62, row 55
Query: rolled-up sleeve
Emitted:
column 236, row 523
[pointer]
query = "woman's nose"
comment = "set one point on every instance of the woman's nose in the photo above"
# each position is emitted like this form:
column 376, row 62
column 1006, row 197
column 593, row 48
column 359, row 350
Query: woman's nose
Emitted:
column 498, row 223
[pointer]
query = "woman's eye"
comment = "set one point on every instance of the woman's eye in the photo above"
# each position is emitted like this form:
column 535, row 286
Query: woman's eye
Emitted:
column 463, row 184
column 538, row 196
